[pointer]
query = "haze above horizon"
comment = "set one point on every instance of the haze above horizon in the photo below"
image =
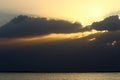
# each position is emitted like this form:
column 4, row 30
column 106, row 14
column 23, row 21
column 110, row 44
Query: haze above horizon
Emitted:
column 84, row 11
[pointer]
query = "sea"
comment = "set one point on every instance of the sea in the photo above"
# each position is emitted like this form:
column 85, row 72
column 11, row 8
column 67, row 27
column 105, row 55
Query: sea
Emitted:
column 59, row 76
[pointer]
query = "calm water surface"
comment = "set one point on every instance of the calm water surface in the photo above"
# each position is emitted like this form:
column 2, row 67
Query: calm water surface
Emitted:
column 59, row 76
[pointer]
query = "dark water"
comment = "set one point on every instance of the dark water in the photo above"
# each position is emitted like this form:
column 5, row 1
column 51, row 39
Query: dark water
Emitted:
column 59, row 76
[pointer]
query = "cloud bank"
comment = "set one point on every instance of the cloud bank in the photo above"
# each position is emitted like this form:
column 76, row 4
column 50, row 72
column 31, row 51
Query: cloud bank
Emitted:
column 38, row 44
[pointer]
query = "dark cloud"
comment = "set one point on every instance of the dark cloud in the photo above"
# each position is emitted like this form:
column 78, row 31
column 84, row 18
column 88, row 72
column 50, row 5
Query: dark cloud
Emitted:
column 65, row 55
column 29, row 26
column 110, row 23
column 97, row 52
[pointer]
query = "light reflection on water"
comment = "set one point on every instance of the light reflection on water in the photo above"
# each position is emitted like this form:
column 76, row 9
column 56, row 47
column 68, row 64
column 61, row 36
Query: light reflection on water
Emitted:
column 59, row 76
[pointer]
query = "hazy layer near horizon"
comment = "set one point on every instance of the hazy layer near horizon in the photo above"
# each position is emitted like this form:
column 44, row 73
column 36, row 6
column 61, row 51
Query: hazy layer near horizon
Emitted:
column 59, row 76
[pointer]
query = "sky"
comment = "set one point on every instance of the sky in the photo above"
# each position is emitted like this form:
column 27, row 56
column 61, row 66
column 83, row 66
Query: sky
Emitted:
column 43, row 44
column 84, row 11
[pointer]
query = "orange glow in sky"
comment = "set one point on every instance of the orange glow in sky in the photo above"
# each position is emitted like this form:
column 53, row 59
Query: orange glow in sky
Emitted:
column 49, row 38
column 84, row 11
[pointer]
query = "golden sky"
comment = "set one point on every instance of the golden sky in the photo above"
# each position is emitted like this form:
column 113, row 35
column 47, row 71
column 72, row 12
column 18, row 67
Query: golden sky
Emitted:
column 84, row 11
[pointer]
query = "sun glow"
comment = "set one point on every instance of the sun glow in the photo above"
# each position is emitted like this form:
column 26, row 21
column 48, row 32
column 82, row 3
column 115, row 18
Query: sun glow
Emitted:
column 84, row 11
column 49, row 38
column 55, row 36
column 96, row 12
